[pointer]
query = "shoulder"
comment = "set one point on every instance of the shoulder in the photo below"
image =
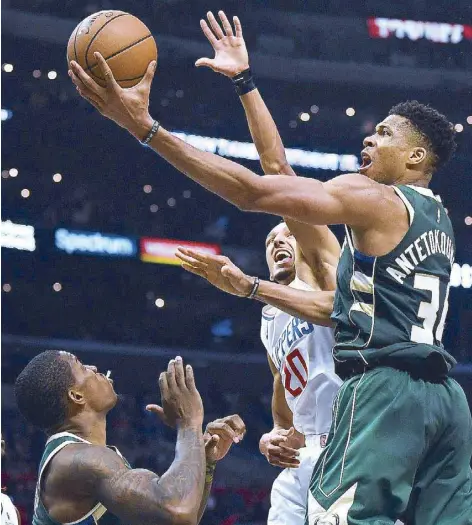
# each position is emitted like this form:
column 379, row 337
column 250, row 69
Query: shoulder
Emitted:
column 354, row 182
column 367, row 203
column 83, row 466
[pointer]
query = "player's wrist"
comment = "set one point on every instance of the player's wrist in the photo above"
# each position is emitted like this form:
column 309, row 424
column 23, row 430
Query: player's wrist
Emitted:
column 192, row 423
column 141, row 127
column 210, row 470
column 243, row 82
column 251, row 292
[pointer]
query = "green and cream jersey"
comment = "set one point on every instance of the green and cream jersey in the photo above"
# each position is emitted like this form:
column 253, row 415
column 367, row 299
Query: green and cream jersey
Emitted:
column 392, row 309
column 98, row 515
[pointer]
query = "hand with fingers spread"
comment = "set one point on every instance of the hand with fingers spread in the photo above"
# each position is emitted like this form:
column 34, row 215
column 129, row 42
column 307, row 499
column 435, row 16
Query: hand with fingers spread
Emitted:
column 231, row 55
column 181, row 401
column 128, row 107
column 221, row 434
column 280, row 447
column 218, row 270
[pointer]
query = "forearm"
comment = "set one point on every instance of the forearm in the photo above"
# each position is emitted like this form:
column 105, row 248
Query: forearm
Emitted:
column 183, row 482
column 209, row 473
column 229, row 180
column 265, row 135
column 314, row 307
column 282, row 419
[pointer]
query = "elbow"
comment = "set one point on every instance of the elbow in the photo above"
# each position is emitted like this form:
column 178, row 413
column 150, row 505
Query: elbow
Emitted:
column 181, row 516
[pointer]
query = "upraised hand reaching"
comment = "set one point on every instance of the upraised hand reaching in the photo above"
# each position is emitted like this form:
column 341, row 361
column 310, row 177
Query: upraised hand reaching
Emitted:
column 231, row 55
column 128, row 107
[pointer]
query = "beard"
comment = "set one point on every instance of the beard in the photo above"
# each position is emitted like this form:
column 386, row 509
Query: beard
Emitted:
column 284, row 275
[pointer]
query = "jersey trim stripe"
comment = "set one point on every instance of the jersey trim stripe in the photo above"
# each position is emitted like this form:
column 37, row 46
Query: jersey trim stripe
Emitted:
column 407, row 203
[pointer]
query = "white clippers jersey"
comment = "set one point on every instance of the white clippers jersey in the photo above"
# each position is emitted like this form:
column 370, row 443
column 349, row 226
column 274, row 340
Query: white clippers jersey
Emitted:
column 9, row 515
column 301, row 351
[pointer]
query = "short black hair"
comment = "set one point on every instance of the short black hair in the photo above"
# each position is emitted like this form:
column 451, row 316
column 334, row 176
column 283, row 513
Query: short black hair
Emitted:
column 41, row 390
column 434, row 126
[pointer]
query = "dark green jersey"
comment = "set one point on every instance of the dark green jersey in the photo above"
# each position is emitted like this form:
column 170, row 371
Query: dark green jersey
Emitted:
column 98, row 515
column 392, row 309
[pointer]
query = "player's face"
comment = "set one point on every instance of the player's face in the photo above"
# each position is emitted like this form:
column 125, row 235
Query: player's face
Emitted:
column 388, row 153
column 93, row 388
column 280, row 254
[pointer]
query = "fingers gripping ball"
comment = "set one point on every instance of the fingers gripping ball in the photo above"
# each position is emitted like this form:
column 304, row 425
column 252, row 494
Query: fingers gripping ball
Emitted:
column 122, row 39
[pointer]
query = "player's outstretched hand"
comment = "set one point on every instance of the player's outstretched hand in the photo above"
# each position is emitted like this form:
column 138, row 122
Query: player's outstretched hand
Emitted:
column 180, row 399
column 230, row 49
column 280, row 447
column 221, row 434
column 128, row 107
column 218, row 270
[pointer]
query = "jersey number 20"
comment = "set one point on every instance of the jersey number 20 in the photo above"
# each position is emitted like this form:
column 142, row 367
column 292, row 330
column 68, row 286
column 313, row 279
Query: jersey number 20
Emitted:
column 295, row 365
column 428, row 311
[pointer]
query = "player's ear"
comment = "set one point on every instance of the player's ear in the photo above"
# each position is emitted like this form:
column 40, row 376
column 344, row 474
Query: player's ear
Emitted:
column 417, row 155
column 76, row 396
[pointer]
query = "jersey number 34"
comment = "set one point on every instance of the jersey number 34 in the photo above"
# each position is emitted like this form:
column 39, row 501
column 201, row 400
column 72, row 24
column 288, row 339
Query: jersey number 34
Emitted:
column 432, row 328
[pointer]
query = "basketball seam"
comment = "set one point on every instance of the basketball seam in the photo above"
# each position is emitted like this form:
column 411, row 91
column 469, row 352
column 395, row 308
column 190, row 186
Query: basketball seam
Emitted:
column 89, row 68
column 95, row 35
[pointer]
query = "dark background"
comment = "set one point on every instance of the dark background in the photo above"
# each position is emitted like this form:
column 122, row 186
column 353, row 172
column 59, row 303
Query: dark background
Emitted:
column 302, row 54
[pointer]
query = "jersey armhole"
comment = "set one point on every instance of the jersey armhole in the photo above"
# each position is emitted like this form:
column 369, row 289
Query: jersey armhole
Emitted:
column 407, row 203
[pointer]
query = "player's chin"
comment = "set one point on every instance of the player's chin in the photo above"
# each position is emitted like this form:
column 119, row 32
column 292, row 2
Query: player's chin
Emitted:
column 284, row 275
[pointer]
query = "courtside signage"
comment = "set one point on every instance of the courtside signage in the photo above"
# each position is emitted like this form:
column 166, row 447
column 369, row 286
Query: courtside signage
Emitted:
column 17, row 236
column 162, row 251
column 412, row 30
column 95, row 243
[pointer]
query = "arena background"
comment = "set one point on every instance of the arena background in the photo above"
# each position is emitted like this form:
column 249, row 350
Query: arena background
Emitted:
column 88, row 215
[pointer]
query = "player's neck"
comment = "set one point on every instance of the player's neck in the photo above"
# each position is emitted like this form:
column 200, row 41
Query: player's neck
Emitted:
column 88, row 425
column 414, row 178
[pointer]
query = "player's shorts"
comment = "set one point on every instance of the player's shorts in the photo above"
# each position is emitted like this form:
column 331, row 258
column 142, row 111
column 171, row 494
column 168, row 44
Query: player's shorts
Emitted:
column 399, row 447
column 289, row 495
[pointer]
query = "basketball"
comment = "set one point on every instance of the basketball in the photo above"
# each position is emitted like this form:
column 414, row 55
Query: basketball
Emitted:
column 124, row 41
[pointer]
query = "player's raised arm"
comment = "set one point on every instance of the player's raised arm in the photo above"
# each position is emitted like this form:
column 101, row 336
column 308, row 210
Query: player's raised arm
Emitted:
column 315, row 307
column 219, row 437
column 138, row 496
column 318, row 244
column 348, row 199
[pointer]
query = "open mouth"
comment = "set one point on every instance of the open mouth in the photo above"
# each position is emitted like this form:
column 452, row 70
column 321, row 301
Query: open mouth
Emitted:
column 366, row 161
column 282, row 256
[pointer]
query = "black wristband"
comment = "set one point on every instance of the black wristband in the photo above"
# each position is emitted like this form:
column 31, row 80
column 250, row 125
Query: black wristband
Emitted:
column 147, row 139
column 255, row 287
column 243, row 82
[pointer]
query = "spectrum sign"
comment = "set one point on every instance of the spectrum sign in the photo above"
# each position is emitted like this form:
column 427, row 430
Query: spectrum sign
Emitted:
column 412, row 30
column 162, row 251
column 95, row 243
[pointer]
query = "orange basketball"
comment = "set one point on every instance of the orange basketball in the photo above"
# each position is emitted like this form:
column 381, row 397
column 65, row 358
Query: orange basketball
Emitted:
column 123, row 40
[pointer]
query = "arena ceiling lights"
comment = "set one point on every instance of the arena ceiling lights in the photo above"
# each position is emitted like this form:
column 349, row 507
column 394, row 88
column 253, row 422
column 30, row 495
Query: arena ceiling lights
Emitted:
column 295, row 157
